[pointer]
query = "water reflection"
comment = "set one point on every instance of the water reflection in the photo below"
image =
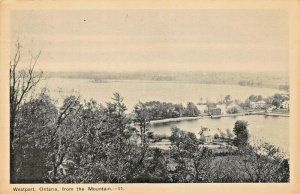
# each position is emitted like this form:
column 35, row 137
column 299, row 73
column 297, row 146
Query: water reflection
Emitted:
column 272, row 129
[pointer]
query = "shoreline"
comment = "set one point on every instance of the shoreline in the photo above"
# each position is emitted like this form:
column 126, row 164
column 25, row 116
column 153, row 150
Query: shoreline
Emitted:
column 107, row 80
column 178, row 119
column 277, row 114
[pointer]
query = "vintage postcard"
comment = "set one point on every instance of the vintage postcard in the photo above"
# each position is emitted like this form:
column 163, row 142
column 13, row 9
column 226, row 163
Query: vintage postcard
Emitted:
column 149, row 97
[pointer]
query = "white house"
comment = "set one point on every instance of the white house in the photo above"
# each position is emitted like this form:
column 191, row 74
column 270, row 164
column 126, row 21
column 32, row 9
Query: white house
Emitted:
column 222, row 107
column 202, row 108
column 258, row 105
column 208, row 136
column 270, row 109
column 285, row 104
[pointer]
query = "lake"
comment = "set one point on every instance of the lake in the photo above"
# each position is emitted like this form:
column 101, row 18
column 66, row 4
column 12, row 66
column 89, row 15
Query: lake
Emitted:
column 136, row 90
column 271, row 129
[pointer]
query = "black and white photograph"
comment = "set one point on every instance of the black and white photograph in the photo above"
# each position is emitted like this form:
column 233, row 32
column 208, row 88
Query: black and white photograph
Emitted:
column 125, row 96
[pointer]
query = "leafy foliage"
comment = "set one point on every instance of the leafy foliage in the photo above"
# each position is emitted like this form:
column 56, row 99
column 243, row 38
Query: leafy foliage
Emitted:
column 241, row 132
column 93, row 143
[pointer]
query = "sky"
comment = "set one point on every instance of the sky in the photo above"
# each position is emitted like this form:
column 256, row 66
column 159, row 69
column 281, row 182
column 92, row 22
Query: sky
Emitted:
column 153, row 40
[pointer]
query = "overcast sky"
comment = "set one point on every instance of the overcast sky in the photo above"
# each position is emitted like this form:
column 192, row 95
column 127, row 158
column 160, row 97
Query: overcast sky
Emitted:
column 130, row 40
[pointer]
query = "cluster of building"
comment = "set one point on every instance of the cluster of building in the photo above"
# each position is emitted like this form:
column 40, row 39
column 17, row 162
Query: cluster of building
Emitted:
column 212, row 109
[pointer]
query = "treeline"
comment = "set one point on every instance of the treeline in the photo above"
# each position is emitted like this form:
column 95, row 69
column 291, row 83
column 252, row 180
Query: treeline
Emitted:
column 250, row 83
column 163, row 110
column 275, row 100
column 93, row 143
column 255, row 79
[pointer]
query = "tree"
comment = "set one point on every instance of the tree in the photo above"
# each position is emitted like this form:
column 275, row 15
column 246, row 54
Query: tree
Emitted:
column 254, row 98
column 119, row 152
column 192, row 161
column 156, row 170
column 191, row 110
column 104, row 153
column 87, row 146
column 241, row 133
column 222, row 135
column 233, row 110
column 263, row 162
column 216, row 136
column 276, row 102
column 22, row 82
column 284, row 171
column 44, row 137
column 260, row 162
column 142, row 119
column 227, row 100
column 63, row 135
column 34, row 123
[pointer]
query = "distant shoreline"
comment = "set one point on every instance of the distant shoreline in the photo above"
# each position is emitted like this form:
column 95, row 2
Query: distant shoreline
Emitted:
column 250, row 79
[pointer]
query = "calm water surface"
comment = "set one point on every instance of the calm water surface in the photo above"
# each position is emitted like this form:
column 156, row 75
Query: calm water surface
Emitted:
column 270, row 129
column 135, row 91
